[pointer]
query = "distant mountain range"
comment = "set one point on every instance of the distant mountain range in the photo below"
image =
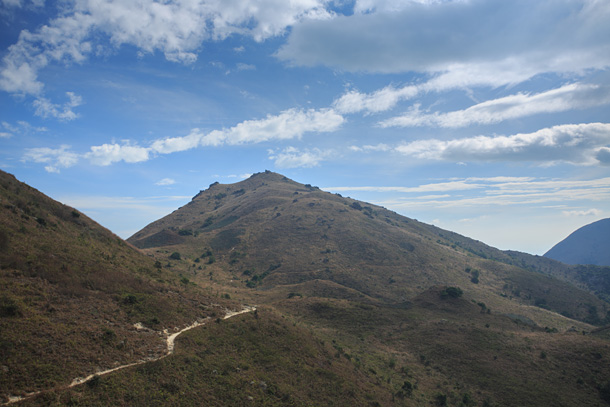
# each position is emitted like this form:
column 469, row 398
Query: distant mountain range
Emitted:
column 588, row 245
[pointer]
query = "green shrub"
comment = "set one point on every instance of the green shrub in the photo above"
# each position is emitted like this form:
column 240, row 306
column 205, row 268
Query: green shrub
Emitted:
column 175, row 256
column 451, row 292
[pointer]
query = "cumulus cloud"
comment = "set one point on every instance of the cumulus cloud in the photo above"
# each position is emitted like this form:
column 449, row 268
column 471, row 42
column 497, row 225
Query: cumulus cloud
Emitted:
column 568, row 97
column 176, row 28
column 289, row 124
column 55, row 159
column 436, row 36
column 582, row 144
column 292, row 157
column 107, row 154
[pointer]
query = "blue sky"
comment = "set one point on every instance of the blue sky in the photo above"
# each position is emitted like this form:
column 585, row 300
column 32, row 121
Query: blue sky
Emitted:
column 490, row 118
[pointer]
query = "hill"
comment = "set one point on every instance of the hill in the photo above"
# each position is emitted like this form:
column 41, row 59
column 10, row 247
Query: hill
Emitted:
column 269, row 232
column 356, row 306
column 72, row 292
column 588, row 245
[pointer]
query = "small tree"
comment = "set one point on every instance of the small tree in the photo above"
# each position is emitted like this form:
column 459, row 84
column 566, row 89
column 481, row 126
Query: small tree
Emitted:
column 451, row 292
column 175, row 256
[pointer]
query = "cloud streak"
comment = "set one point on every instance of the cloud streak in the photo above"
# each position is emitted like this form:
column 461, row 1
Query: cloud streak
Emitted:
column 472, row 193
column 568, row 97
column 580, row 144
column 288, row 125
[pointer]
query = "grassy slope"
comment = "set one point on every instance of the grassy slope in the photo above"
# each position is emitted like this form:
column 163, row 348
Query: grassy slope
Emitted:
column 71, row 292
column 269, row 231
column 449, row 347
column 256, row 359
column 350, row 335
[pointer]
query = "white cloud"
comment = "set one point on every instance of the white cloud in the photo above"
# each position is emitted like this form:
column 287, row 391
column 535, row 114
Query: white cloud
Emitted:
column 368, row 148
column 45, row 108
column 177, row 28
column 582, row 144
column 568, row 97
column 441, row 36
column 590, row 212
column 292, row 157
column 531, row 193
column 378, row 101
column 165, row 181
column 176, row 144
column 5, row 135
column 22, row 127
column 107, row 154
column 287, row 125
column 55, row 159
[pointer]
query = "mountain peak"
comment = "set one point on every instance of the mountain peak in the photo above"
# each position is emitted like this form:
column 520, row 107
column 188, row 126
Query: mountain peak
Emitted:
column 587, row 245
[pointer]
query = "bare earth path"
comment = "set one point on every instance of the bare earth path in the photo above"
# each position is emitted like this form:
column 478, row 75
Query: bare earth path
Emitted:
column 170, row 340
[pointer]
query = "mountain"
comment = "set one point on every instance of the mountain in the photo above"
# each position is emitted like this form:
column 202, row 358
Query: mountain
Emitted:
column 588, row 245
column 77, row 302
column 270, row 232
column 431, row 317
column 355, row 306
column 71, row 292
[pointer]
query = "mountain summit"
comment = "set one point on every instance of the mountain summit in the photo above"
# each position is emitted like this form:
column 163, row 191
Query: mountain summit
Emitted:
column 269, row 232
column 588, row 245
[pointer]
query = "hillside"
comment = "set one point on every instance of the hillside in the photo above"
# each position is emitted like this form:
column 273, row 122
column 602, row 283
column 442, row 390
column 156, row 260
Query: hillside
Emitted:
column 356, row 306
column 72, row 292
column 432, row 317
column 269, row 231
column 588, row 245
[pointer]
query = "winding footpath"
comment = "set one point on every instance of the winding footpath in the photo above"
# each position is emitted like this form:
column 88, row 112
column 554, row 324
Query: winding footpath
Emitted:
column 170, row 341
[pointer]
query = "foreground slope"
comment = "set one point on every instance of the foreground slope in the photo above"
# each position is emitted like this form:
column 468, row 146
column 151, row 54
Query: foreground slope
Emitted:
column 588, row 245
column 71, row 292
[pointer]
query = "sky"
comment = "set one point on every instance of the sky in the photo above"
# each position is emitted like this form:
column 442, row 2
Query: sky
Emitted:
column 490, row 118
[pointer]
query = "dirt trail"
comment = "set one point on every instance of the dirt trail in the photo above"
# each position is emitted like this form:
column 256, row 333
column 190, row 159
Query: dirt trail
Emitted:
column 170, row 340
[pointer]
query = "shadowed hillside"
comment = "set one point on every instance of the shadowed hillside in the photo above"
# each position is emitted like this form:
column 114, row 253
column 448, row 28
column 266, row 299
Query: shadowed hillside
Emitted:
column 588, row 245
column 72, row 292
